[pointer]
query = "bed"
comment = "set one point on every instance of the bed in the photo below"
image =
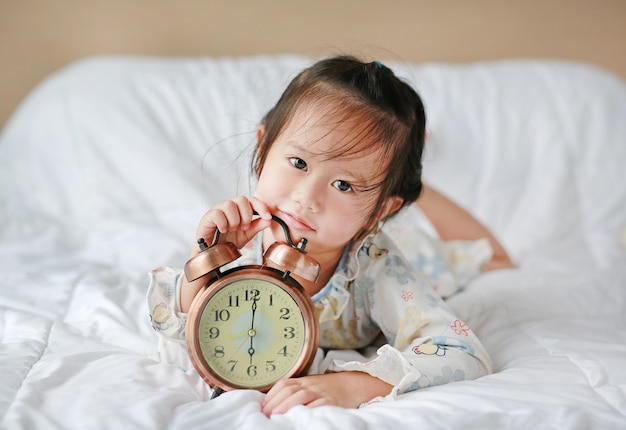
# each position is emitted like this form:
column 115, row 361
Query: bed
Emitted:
column 107, row 165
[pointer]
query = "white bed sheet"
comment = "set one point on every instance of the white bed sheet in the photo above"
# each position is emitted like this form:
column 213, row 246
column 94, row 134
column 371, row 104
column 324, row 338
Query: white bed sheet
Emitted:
column 107, row 166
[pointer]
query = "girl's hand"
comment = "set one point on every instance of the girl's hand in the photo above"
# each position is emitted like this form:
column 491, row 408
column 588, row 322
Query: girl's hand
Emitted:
column 234, row 220
column 345, row 389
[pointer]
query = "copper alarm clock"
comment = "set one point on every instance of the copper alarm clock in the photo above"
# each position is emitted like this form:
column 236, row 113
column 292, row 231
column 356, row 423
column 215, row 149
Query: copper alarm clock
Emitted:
column 252, row 325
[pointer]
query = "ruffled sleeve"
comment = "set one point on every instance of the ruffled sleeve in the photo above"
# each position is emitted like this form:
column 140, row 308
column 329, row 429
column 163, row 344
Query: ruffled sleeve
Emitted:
column 167, row 320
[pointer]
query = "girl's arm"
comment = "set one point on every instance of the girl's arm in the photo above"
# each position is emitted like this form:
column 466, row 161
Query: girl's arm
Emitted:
column 454, row 223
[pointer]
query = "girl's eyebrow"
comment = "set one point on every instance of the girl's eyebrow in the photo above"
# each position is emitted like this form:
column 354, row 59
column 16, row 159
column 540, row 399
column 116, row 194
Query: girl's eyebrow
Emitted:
column 299, row 148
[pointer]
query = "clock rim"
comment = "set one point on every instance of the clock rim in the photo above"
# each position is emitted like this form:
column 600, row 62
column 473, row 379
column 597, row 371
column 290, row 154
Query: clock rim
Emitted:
column 269, row 274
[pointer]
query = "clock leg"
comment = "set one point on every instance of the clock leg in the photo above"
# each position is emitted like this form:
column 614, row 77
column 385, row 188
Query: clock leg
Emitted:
column 217, row 391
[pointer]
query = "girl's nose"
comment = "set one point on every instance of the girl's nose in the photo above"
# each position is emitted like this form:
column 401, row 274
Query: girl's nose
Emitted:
column 308, row 193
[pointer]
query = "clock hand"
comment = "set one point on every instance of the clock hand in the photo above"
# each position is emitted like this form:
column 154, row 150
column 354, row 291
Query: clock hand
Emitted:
column 244, row 341
column 247, row 334
column 253, row 312
column 252, row 332
column 242, row 334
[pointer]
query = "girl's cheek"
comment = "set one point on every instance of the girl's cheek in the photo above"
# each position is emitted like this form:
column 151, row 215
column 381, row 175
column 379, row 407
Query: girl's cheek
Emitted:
column 269, row 188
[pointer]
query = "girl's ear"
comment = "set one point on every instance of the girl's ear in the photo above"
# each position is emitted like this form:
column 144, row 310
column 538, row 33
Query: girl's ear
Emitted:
column 391, row 205
column 260, row 132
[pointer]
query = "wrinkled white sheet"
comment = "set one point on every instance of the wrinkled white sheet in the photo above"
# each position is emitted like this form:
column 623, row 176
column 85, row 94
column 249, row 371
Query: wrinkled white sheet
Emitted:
column 109, row 163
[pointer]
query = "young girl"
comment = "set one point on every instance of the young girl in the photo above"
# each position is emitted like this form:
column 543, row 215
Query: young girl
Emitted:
column 339, row 154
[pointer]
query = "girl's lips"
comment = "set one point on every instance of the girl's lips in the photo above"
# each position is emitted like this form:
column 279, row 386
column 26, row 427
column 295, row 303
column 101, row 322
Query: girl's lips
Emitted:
column 294, row 222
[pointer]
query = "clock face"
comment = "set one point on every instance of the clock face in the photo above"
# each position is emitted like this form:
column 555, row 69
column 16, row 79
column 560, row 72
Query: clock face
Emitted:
column 251, row 332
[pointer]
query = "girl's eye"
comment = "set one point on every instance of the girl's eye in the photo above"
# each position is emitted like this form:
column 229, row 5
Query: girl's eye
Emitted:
column 342, row 186
column 298, row 163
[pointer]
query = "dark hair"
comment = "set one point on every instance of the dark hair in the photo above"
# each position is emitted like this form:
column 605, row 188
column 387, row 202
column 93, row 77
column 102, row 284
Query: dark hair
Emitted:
column 389, row 110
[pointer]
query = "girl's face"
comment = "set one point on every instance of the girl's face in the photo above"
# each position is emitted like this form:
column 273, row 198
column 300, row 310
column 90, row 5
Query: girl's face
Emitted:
column 325, row 198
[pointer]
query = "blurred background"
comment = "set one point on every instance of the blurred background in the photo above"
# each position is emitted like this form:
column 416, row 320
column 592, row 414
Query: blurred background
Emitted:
column 38, row 37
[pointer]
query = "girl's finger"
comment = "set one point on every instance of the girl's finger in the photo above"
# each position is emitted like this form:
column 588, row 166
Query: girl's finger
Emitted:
column 261, row 208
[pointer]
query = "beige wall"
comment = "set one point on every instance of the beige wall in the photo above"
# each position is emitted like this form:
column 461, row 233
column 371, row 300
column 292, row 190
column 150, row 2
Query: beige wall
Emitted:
column 40, row 36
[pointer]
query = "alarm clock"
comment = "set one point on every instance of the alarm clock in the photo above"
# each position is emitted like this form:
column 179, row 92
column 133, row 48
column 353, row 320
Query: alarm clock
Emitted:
column 252, row 325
